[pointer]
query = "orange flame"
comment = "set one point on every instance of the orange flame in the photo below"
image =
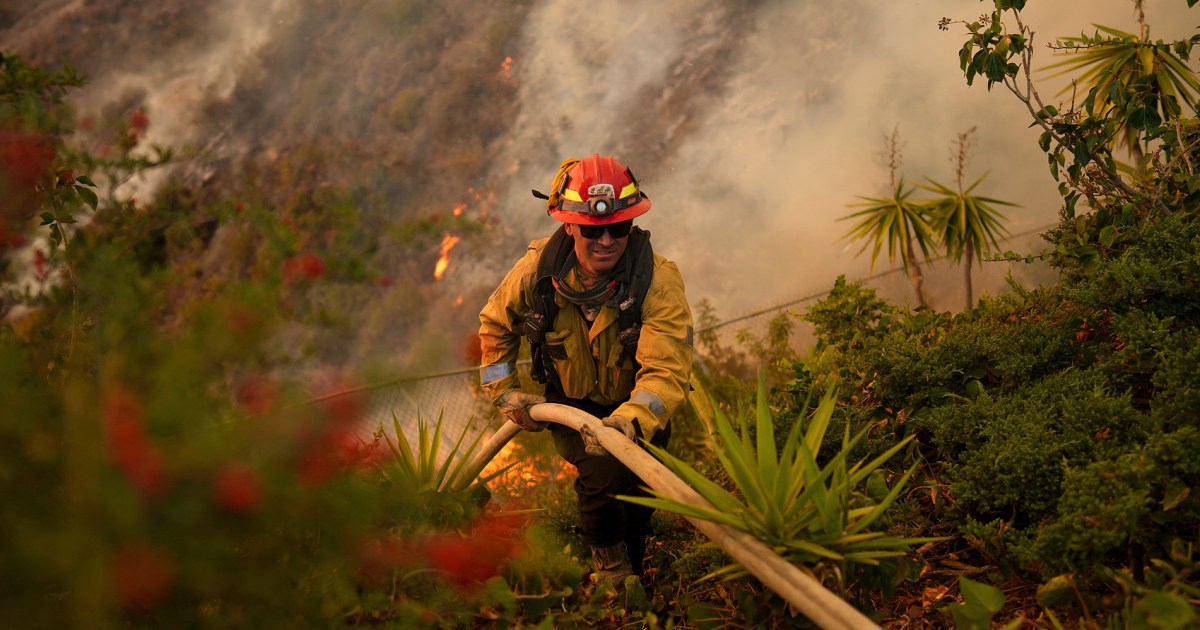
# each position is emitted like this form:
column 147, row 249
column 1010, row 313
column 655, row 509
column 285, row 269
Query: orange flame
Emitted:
column 459, row 301
column 506, row 68
column 525, row 472
column 448, row 243
column 458, row 210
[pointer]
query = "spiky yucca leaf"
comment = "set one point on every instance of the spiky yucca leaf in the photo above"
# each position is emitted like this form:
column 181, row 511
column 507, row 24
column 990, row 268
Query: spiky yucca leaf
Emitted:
column 738, row 460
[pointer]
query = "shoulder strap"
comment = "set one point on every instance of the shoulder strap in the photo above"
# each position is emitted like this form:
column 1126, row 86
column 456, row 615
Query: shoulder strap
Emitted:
column 540, row 318
column 629, row 308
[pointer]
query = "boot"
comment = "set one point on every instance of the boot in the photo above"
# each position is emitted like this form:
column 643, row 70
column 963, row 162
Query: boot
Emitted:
column 611, row 563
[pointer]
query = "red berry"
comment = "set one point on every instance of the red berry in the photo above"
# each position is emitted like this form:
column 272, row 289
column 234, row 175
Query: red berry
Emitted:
column 139, row 120
column 256, row 394
column 141, row 576
column 237, row 488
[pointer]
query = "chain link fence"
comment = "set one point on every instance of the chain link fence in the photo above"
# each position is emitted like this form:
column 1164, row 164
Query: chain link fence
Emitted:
column 455, row 399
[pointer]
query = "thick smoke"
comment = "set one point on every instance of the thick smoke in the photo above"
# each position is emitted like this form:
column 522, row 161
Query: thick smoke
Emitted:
column 748, row 198
column 751, row 125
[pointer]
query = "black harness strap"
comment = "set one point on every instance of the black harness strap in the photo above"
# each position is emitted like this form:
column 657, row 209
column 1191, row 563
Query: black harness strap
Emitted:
column 541, row 316
column 629, row 306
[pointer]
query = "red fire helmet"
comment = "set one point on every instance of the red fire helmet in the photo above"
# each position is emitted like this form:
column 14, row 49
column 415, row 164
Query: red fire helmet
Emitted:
column 599, row 190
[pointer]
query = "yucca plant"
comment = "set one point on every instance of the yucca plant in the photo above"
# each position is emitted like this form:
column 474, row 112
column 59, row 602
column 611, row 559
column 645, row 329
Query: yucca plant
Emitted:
column 900, row 223
column 966, row 224
column 423, row 472
column 808, row 513
column 903, row 224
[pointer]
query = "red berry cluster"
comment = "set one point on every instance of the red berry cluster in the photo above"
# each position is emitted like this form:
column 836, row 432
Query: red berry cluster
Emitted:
column 128, row 446
column 303, row 268
column 25, row 167
column 336, row 446
column 467, row 560
column 237, row 488
column 140, row 576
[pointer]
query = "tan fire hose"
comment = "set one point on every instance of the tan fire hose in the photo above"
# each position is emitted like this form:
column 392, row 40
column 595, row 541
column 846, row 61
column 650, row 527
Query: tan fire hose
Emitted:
column 796, row 587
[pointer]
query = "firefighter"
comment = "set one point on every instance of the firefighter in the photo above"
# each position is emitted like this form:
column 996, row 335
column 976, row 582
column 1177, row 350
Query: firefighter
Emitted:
column 610, row 332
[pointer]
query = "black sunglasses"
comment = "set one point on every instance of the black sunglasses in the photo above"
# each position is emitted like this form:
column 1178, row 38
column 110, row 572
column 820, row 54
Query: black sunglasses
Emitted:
column 616, row 230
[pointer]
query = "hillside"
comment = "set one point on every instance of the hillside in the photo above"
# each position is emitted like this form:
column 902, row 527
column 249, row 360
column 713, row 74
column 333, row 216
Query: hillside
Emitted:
column 415, row 109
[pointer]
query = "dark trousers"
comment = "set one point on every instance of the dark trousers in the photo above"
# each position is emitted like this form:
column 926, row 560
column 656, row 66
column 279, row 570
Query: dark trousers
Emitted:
column 604, row 520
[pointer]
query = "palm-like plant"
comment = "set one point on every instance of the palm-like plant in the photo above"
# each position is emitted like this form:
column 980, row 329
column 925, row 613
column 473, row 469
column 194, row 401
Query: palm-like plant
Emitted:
column 1142, row 82
column 900, row 223
column 808, row 513
column 966, row 224
column 895, row 221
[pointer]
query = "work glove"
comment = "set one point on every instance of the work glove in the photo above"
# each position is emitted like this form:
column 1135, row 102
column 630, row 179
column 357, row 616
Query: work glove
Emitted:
column 514, row 405
column 591, row 444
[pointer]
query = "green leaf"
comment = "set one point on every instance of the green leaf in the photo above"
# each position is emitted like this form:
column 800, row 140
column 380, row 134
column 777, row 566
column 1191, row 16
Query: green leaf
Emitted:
column 713, row 493
column 1058, row 590
column 970, row 616
column 1164, row 610
column 705, row 616
column 47, row 218
column 990, row 597
column 1108, row 234
column 1193, row 184
column 85, row 180
column 1144, row 118
column 765, row 429
column 1175, row 495
column 683, row 509
column 88, row 195
column 1082, row 154
column 814, row 549
column 995, row 66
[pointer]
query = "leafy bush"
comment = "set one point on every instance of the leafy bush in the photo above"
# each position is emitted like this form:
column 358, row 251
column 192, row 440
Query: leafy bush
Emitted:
column 165, row 466
column 1059, row 420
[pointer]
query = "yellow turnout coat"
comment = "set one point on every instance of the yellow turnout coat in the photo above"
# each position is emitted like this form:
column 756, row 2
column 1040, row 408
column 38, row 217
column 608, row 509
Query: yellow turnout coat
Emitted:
column 587, row 355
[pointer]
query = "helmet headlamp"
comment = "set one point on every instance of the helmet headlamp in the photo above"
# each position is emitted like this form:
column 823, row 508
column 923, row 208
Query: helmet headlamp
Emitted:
column 601, row 199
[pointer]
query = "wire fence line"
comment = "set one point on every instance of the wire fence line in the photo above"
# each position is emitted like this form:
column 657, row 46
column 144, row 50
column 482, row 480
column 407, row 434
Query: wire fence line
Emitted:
column 455, row 399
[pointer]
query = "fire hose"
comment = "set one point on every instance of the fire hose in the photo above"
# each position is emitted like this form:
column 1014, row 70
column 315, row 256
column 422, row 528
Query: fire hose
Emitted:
column 803, row 592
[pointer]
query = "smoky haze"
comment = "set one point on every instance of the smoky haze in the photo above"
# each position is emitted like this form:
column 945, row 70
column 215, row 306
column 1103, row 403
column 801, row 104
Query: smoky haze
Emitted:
column 747, row 200
column 751, row 125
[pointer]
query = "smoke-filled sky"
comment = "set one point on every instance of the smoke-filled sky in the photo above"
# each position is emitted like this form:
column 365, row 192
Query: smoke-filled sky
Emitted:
column 749, row 201
column 752, row 125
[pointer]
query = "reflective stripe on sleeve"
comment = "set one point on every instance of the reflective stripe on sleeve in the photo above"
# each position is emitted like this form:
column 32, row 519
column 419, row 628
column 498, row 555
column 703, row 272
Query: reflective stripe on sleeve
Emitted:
column 493, row 373
column 650, row 399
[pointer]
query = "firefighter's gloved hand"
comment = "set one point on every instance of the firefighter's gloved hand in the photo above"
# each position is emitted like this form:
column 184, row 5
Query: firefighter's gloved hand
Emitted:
column 514, row 405
column 591, row 444
column 624, row 426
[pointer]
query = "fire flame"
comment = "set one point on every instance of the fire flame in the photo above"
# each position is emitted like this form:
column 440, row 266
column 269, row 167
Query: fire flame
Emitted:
column 525, row 472
column 459, row 301
column 458, row 210
column 506, row 69
column 448, row 243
